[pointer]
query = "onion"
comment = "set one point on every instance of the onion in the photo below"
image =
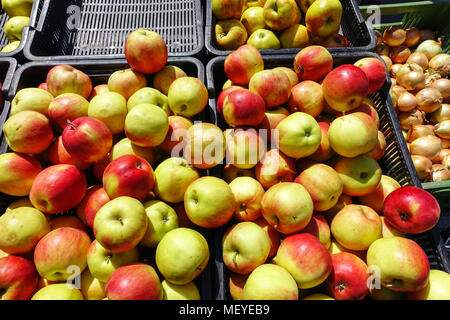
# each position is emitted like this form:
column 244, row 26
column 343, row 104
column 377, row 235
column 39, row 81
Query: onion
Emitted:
column 388, row 62
column 446, row 162
column 407, row 67
column 428, row 146
column 406, row 102
column 383, row 50
column 443, row 153
column 429, row 100
column 379, row 37
column 427, row 34
column 440, row 173
column 395, row 92
column 431, row 76
column 412, row 37
column 442, row 129
column 393, row 81
column 410, row 118
column 394, row 36
column 443, row 85
column 405, row 135
column 430, row 48
column 441, row 64
column 441, row 114
column 445, row 143
column 423, row 165
column 395, row 68
column 400, row 54
column 413, row 80
column 420, row 130
column 419, row 58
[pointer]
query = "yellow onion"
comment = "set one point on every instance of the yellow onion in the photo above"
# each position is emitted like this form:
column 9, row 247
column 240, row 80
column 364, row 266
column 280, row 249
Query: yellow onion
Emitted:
column 419, row 58
column 379, row 37
column 408, row 67
column 395, row 69
column 446, row 162
column 427, row 34
column 406, row 101
column 395, row 92
column 441, row 114
column 431, row 76
column 400, row 54
column 420, row 130
column 394, row 36
column 443, row 85
column 405, row 134
column 388, row 62
column 410, row 118
column 382, row 50
column 412, row 37
column 430, row 48
column 445, row 143
column 413, row 80
column 429, row 100
column 442, row 129
column 441, row 64
column 423, row 165
column 443, row 154
column 428, row 146
column 393, row 82
column 439, row 173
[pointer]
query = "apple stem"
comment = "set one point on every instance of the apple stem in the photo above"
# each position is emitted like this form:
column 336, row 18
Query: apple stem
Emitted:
column 71, row 124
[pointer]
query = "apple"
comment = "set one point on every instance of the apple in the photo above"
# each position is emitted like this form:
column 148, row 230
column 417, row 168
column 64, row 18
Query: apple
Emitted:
column 20, row 203
column 34, row 99
column 230, row 34
column 126, row 82
column 146, row 125
column 176, row 135
column 57, row 154
column 375, row 71
column 125, row 146
column 291, row 215
column 92, row 288
column 438, row 287
column 318, row 227
column 273, row 86
column 98, row 89
column 411, row 209
column 102, row 262
column 313, row 63
column 305, row 258
column 67, row 79
column 187, row 96
column 161, row 219
column 228, row 9
column 236, row 283
column 348, row 278
column 244, row 147
column 293, row 78
column 58, row 291
column 223, row 94
column 18, row 173
column 14, row 26
column 295, row 36
column 368, row 107
column 67, row 107
column 353, row 135
column 356, row 227
column 187, row 291
column 403, row 265
column 337, row 40
column 323, row 17
column 136, row 281
column 28, row 132
column 241, row 64
column 248, row 193
column 182, row 255
column 335, row 248
column 231, row 172
column 388, row 230
column 270, row 282
column 264, row 39
column 307, row 97
column 142, row 46
column 60, row 249
column 299, row 135
column 280, row 14
column 341, row 203
column 163, row 79
column 275, row 167
column 253, row 19
column 324, row 152
column 384, row 293
column 99, row 167
column 256, row 3
column 17, row 7
column 68, row 221
column 111, row 109
column 376, row 199
column 243, row 108
column 209, row 202
column 120, row 224
column 304, row 4
column 18, row 278
column 10, row 47
column 271, row 119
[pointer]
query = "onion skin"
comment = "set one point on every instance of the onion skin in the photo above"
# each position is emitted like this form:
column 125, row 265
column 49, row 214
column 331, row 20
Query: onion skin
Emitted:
column 420, row 130
column 442, row 129
column 445, row 143
column 427, row 34
column 443, row 154
column 419, row 58
column 423, row 165
column 427, row 146
column 400, row 54
column 429, row 100
column 379, row 37
column 443, row 85
column 395, row 68
column 431, row 48
column 383, row 50
column 446, row 162
column 441, row 114
column 440, row 173
column 410, row 118
column 406, row 102
column 407, row 67
column 413, row 80
column 441, row 64
column 412, row 37
column 394, row 36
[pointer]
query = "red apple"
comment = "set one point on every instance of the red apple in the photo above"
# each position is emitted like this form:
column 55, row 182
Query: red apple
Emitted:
column 244, row 147
column 313, row 63
column 126, row 82
column 68, row 221
column 307, row 97
column 411, row 209
column 67, row 106
column 98, row 89
column 176, row 135
column 375, row 71
column 43, row 86
column 376, row 199
column 272, row 118
column 94, row 199
column 57, row 154
column 368, row 107
column 243, row 108
column 18, row 278
column 241, row 64
column 318, row 227
column 273, row 86
column 273, row 234
column 275, row 167
column 223, row 95
column 324, row 152
column 67, row 79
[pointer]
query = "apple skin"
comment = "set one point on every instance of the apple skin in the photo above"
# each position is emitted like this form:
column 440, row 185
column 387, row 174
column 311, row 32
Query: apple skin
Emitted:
column 136, row 281
column 28, row 132
column 323, row 18
column 125, row 146
column 111, row 109
column 67, row 79
column 228, row 9
column 356, row 227
column 34, row 99
column 98, row 89
column 388, row 230
column 318, row 227
column 241, row 64
column 57, row 154
column 288, row 216
column 324, row 152
column 58, row 291
column 92, row 288
column 245, row 247
column 264, row 39
column 244, row 147
column 270, row 282
column 271, row 119
column 94, row 199
column 230, row 34
column 18, row 278
column 172, row 291
column 164, row 78
column 411, row 209
column 375, row 71
column 182, row 255
column 293, row 78
column 142, row 46
column 273, row 86
column 307, row 97
column 335, row 248
column 306, row 259
column 231, row 172
column 18, row 173
column 403, row 265
column 274, row 235
column 187, row 96
column 296, row 36
column 313, row 63
column 17, row 8
column 209, row 202
column 243, row 108
column 368, row 107
column 68, row 221
column 253, row 19
column 275, row 167
column 178, row 126
column 66, row 190
column 58, row 250
column 123, row 236
column 438, row 287
column 345, row 87
column 126, row 82
column 67, row 106
column 223, row 94
column 248, row 193
column 236, row 283
column 280, row 14
column 348, row 278
column 376, row 199
column 149, row 96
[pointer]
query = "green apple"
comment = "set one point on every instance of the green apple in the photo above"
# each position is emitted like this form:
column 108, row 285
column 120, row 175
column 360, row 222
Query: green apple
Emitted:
column 304, row 4
column 149, row 96
column 58, row 291
column 172, row 178
column 256, row 3
column 120, row 224
column 126, row 82
column 125, row 146
column 163, row 79
column 230, row 34
column 10, row 47
column 19, row 203
column 438, row 287
column 111, row 109
column 14, row 27
column 280, row 14
column 264, row 39
column 187, row 96
column 182, row 255
column 296, row 36
column 323, row 18
column 248, row 193
column 162, row 218
column 17, row 7
column 227, row 9
column 92, row 288
column 35, row 99
column 146, row 125
column 187, row 291
column 102, row 262
column 21, row 229
column 253, row 19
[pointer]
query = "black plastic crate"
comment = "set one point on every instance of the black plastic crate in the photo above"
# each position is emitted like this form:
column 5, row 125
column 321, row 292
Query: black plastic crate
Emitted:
column 8, row 66
column 395, row 163
column 97, row 29
column 34, row 73
column 353, row 26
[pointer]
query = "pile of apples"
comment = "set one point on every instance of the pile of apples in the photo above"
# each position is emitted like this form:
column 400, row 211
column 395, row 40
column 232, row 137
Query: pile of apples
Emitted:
column 92, row 219
column 420, row 93
column 275, row 24
column 18, row 17
column 315, row 216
